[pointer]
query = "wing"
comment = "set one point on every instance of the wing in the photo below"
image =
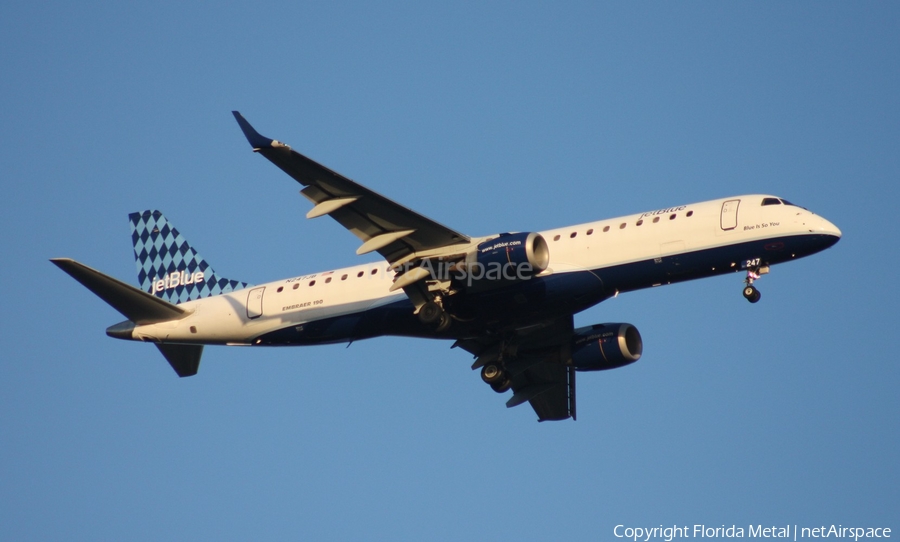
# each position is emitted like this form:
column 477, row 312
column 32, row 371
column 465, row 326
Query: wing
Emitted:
column 549, row 385
column 538, row 363
column 382, row 225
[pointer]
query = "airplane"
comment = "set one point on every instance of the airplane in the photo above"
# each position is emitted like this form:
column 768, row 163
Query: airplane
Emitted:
column 508, row 299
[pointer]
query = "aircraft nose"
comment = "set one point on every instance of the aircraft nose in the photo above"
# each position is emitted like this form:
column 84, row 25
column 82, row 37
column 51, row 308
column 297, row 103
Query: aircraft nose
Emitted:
column 830, row 234
column 828, row 228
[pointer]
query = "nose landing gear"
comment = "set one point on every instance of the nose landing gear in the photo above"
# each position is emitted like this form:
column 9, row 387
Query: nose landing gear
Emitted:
column 751, row 294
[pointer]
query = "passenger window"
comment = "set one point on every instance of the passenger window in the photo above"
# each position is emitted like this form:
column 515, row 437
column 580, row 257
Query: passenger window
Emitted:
column 672, row 216
column 556, row 238
column 327, row 280
column 343, row 277
column 639, row 222
column 690, row 213
column 374, row 271
column 590, row 231
column 606, row 229
column 296, row 285
column 280, row 288
column 655, row 220
column 312, row 283
column 622, row 226
column 359, row 274
column 573, row 235
column 771, row 201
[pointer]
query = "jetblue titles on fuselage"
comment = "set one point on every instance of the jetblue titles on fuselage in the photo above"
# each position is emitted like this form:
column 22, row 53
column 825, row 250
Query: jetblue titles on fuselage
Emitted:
column 664, row 211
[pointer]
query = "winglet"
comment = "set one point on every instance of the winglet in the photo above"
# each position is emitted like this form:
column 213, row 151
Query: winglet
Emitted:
column 256, row 140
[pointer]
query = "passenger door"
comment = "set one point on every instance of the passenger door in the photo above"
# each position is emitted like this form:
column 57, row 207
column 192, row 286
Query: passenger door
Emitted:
column 254, row 302
column 729, row 216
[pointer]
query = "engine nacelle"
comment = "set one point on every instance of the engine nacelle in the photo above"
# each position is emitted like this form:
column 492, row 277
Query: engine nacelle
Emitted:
column 605, row 346
column 509, row 257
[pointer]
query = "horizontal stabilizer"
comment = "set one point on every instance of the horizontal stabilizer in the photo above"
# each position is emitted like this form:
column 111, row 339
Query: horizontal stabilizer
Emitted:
column 136, row 305
column 184, row 358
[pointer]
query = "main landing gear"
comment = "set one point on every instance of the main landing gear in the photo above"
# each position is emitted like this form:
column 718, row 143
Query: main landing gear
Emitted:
column 495, row 375
column 432, row 313
column 493, row 367
column 751, row 294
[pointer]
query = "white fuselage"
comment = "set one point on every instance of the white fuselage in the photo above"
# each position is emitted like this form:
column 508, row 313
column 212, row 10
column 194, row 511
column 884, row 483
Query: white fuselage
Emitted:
column 240, row 317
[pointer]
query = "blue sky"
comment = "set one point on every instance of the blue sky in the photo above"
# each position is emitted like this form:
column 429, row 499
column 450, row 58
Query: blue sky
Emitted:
column 497, row 117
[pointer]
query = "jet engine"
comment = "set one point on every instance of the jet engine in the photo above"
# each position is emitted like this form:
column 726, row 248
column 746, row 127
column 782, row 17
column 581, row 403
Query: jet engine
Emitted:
column 508, row 257
column 605, row 346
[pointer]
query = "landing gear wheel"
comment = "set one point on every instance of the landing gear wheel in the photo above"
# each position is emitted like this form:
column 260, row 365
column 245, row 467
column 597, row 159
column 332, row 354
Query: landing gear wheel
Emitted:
column 430, row 313
column 493, row 373
column 501, row 386
column 752, row 294
column 445, row 321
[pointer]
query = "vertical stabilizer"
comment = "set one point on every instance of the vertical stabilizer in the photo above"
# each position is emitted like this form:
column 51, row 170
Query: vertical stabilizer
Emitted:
column 167, row 265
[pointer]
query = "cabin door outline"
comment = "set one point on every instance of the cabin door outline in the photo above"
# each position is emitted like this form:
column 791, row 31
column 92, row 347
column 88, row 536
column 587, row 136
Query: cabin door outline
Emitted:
column 254, row 302
column 728, row 219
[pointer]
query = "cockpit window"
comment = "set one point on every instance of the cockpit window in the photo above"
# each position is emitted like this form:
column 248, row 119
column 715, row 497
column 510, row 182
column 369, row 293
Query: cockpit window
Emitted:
column 771, row 201
column 786, row 202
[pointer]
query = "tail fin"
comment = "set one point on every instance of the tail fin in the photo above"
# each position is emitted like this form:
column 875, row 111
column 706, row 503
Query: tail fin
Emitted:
column 167, row 265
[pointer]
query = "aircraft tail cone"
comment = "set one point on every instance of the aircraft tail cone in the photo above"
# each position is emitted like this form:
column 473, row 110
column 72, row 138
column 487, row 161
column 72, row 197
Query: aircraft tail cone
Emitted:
column 122, row 330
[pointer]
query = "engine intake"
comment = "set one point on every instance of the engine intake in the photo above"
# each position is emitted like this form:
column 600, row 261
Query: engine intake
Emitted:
column 605, row 346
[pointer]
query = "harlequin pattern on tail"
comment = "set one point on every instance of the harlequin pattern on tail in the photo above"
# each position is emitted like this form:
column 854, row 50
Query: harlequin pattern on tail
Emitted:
column 167, row 265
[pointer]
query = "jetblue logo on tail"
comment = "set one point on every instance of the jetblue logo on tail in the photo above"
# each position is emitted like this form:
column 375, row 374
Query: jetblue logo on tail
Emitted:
column 177, row 278
column 168, row 267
